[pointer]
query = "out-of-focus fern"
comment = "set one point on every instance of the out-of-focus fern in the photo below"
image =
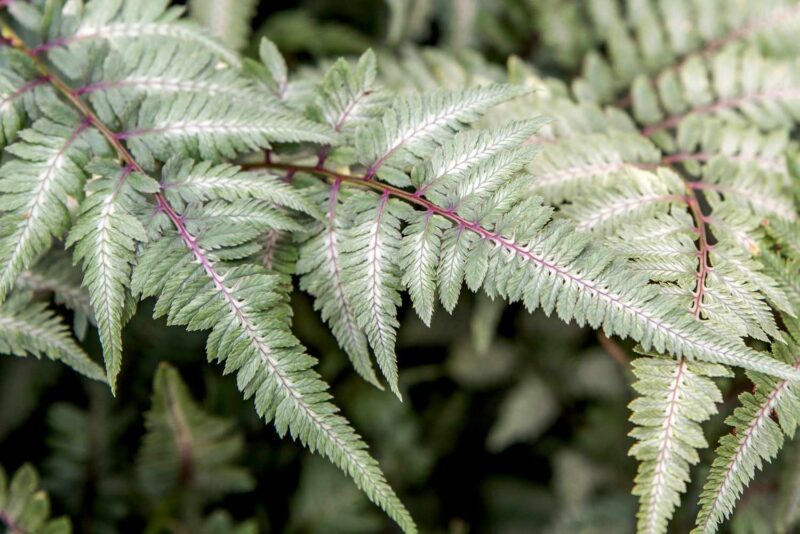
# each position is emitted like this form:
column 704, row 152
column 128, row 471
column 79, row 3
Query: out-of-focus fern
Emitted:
column 26, row 508
column 185, row 448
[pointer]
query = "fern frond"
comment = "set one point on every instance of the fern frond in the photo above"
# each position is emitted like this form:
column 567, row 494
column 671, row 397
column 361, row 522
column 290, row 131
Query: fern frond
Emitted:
column 105, row 237
column 171, row 67
column 196, row 126
column 321, row 266
column 119, row 23
column 187, row 181
column 370, row 277
column 46, row 172
column 28, row 327
column 411, row 128
column 756, row 439
column 24, row 507
column 228, row 20
column 21, row 87
column 186, row 447
column 657, row 37
column 675, row 397
column 247, row 311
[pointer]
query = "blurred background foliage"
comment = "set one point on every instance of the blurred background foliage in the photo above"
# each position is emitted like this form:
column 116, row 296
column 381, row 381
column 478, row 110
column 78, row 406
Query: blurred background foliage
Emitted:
column 511, row 422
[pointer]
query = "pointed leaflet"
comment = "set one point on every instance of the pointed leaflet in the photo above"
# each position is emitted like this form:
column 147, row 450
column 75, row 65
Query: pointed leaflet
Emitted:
column 765, row 416
column 246, row 308
column 119, row 23
column 419, row 256
column 370, row 274
column 344, row 99
column 28, row 327
column 201, row 181
column 185, row 447
column 105, row 238
column 198, row 125
column 320, row 264
column 674, row 398
column 36, row 188
column 414, row 126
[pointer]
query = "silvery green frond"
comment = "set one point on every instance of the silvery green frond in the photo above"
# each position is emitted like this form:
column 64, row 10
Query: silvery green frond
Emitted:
column 105, row 237
column 370, row 277
column 189, row 181
column 782, row 271
column 740, row 85
column 29, row 328
column 246, row 308
column 564, row 169
column 347, row 97
column 412, row 128
column 186, row 447
column 765, row 416
column 446, row 166
column 149, row 70
column 24, row 507
column 46, row 171
column 228, row 20
column 196, row 125
column 21, row 87
column 118, row 24
column 636, row 195
column 675, row 396
column 419, row 260
column 320, row 263
column 655, row 36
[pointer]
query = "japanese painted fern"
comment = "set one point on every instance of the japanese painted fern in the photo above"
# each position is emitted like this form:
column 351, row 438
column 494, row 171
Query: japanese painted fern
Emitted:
column 169, row 167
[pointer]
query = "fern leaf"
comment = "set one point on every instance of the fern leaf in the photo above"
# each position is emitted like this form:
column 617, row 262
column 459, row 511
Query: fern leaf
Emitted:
column 186, row 447
column 756, row 439
column 371, row 279
column 27, row 327
column 119, row 23
column 160, row 71
column 105, row 238
column 347, row 97
column 24, row 507
column 321, row 264
column 675, row 397
column 36, row 187
column 194, row 125
column 202, row 181
column 412, row 127
column 247, row 311
column 419, row 258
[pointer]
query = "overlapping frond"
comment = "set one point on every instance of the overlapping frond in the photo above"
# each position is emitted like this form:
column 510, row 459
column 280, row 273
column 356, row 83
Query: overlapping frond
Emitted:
column 655, row 37
column 246, row 308
column 105, row 237
column 118, row 24
column 46, row 171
